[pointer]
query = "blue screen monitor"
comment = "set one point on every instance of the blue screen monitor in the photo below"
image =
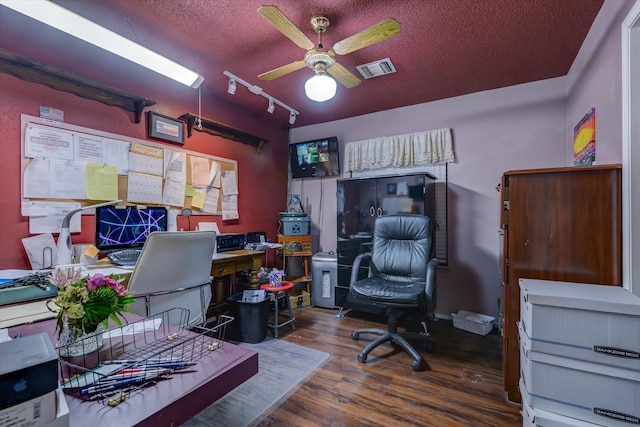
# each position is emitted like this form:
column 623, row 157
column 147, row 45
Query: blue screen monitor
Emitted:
column 127, row 227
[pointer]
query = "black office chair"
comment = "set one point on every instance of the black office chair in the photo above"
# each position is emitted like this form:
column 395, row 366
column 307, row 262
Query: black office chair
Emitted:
column 402, row 270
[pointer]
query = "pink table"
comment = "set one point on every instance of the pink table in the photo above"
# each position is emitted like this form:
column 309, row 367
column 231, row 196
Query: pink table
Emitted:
column 168, row 403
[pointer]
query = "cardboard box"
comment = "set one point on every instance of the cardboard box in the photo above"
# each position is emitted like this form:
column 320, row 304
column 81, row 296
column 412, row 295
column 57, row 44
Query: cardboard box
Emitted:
column 35, row 412
column 600, row 394
column 62, row 413
column 595, row 323
column 534, row 417
column 303, row 299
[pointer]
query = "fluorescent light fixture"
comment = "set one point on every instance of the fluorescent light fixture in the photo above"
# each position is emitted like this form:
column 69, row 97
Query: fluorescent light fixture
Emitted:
column 320, row 87
column 58, row 17
column 257, row 90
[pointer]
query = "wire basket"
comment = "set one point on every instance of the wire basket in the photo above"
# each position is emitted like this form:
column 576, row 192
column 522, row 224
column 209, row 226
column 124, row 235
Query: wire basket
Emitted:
column 139, row 355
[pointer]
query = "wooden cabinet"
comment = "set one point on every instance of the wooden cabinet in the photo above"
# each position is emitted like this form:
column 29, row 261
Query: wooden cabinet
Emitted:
column 560, row 224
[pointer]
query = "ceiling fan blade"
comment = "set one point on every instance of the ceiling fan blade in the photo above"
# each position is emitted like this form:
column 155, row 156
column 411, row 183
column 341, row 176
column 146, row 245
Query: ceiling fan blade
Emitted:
column 281, row 71
column 285, row 26
column 377, row 33
column 344, row 76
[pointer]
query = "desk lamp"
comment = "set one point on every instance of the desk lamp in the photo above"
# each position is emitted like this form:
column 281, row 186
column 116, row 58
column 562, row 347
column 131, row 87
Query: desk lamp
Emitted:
column 64, row 238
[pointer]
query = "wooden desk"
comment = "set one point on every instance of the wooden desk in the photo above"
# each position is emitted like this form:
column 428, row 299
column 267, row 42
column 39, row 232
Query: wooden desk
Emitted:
column 233, row 262
column 168, row 403
column 224, row 264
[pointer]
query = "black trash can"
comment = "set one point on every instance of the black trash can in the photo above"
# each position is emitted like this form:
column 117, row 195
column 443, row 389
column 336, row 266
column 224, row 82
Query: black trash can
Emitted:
column 250, row 324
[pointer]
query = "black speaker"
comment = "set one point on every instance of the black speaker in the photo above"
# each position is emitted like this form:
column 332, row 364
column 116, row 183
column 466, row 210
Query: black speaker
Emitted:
column 254, row 237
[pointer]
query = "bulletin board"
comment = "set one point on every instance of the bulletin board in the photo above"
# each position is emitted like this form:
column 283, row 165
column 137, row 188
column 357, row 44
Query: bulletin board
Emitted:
column 144, row 168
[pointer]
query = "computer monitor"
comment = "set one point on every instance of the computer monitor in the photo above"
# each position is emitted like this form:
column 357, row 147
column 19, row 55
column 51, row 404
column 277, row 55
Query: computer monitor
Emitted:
column 127, row 227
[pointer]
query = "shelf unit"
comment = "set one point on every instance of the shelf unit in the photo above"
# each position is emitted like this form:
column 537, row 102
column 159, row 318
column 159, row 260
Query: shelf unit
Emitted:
column 218, row 129
column 33, row 71
column 297, row 246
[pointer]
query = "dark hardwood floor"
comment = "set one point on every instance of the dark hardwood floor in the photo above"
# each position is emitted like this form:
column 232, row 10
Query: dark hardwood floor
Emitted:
column 461, row 386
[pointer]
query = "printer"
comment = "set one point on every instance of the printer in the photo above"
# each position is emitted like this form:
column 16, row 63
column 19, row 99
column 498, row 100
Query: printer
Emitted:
column 229, row 242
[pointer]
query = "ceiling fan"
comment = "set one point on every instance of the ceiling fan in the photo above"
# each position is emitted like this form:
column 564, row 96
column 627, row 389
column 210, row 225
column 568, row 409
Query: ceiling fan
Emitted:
column 320, row 59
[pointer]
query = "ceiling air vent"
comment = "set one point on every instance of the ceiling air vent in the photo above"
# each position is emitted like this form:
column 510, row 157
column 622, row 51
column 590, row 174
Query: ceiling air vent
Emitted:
column 376, row 68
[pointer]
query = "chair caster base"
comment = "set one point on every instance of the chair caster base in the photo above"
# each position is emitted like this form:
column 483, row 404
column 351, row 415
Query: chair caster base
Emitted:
column 362, row 357
column 416, row 365
column 355, row 336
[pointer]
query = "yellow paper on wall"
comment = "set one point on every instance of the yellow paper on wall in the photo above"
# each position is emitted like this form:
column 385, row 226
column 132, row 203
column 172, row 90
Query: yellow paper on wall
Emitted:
column 101, row 182
column 198, row 198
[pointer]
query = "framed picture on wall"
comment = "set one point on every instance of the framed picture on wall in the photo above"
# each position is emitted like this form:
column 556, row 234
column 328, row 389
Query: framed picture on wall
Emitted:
column 165, row 128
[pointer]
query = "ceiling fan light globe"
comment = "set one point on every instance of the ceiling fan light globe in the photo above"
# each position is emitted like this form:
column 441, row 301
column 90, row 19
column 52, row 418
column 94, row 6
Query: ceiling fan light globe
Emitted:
column 320, row 88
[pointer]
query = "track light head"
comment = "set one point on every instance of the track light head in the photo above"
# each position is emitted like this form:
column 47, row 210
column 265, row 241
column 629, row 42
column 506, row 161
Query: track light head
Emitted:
column 271, row 108
column 292, row 118
column 232, row 86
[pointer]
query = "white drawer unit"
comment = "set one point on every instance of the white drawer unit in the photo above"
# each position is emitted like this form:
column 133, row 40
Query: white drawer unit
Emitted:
column 594, row 323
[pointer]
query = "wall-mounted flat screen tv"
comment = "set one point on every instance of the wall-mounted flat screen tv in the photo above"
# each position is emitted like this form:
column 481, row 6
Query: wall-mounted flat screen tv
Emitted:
column 315, row 158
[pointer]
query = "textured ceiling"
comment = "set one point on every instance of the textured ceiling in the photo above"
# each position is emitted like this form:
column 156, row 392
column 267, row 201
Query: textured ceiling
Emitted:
column 445, row 48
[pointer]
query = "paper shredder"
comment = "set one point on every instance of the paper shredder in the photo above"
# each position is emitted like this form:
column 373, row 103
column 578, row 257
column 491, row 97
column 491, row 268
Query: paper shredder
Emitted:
column 324, row 279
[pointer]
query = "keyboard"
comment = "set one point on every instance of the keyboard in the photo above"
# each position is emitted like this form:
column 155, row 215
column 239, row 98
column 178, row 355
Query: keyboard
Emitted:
column 125, row 257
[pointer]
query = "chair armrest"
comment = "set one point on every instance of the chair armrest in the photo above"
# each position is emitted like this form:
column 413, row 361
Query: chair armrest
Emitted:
column 431, row 280
column 356, row 265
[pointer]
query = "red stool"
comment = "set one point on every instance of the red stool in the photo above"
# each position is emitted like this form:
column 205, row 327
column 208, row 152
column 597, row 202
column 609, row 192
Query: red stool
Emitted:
column 284, row 287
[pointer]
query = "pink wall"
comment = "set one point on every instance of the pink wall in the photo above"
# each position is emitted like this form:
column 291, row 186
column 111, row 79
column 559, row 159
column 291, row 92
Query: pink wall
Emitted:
column 262, row 179
column 511, row 128
column 520, row 127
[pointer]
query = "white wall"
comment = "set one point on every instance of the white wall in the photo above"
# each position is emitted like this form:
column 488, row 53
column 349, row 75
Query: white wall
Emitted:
column 594, row 80
column 518, row 127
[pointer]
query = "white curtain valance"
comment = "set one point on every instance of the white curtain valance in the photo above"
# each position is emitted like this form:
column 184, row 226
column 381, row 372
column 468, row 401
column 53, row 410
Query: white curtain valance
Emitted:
column 420, row 148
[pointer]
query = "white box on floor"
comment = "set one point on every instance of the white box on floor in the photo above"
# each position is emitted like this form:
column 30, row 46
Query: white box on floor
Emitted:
column 534, row 417
column 589, row 322
column 599, row 394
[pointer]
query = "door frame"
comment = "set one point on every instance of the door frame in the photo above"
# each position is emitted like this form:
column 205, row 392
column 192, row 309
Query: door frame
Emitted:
column 631, row 148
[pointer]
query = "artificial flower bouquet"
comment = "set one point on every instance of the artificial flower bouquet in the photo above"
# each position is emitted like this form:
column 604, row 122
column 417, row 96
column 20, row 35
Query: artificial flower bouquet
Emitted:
column 85, row 302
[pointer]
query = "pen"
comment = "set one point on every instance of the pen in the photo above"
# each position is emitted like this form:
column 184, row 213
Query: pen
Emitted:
column 169, row 365
column 132, row 361
column 109, row 385
column 152, row 363
column 138, row 373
